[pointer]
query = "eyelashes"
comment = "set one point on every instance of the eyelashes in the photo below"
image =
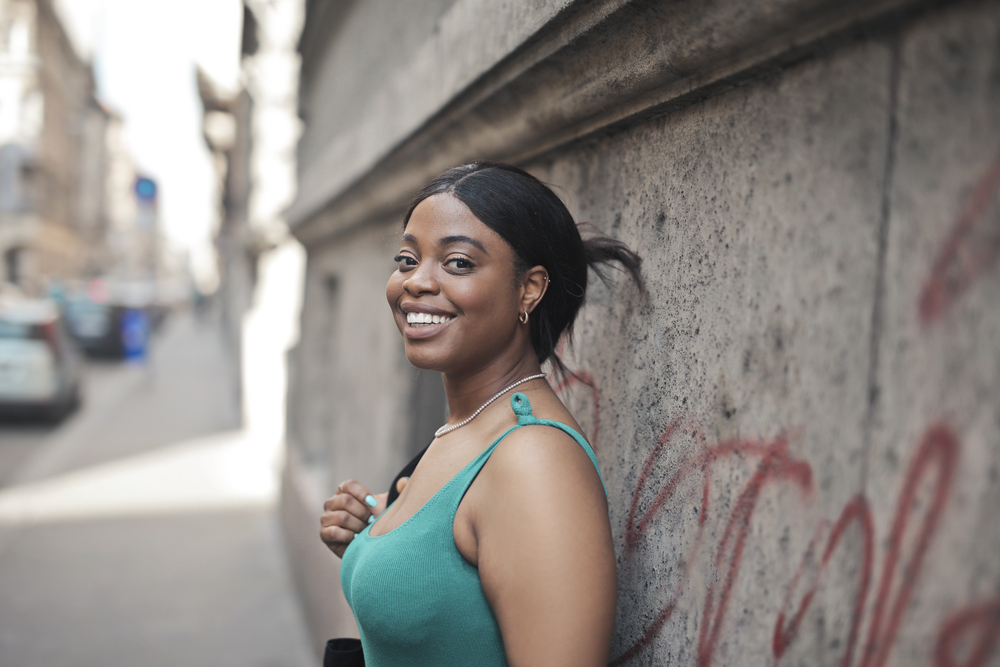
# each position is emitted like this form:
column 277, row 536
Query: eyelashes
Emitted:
column 455, row 263
column 460, row 263
column 404, row 260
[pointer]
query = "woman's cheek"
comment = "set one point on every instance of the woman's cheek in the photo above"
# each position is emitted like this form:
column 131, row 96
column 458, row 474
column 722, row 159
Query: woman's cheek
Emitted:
column 392, row 290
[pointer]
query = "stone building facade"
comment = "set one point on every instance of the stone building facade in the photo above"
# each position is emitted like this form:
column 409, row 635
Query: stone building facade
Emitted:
column 251, row 133
column 226, row 127
column 52, row 151
column 799, row 425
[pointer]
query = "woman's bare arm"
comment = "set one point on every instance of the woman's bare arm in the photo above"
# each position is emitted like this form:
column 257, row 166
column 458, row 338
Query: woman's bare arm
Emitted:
column 544, row 550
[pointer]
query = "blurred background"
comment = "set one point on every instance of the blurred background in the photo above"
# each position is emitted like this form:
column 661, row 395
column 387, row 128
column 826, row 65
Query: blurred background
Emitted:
column 797, row 423
column 148, row 291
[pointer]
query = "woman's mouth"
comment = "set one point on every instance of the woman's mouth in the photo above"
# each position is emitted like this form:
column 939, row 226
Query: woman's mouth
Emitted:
column 420, row 320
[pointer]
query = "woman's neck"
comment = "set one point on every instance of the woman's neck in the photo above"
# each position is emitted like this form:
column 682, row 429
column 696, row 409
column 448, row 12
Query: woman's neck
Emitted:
column 467, row 393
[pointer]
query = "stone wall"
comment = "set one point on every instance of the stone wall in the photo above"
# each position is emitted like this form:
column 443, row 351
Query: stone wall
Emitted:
column 799, row 425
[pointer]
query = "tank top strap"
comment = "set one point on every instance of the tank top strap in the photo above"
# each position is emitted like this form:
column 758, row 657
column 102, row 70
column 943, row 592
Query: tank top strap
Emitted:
column 521, row 406
column 458, row 486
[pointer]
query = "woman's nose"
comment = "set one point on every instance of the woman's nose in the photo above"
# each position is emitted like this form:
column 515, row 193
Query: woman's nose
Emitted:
column 420, row 280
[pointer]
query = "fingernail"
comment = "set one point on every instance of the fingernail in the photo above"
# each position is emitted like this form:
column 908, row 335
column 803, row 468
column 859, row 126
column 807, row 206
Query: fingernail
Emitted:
column 371, row 501
column 371, row 519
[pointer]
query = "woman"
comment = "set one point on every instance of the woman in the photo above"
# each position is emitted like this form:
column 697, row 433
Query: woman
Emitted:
column 498, row 548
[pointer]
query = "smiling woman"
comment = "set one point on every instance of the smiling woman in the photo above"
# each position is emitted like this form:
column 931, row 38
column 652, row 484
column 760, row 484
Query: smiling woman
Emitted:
column 498, row 548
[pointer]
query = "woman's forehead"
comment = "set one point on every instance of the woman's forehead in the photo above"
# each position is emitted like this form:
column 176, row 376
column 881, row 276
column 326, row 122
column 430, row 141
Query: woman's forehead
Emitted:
column 443, row 216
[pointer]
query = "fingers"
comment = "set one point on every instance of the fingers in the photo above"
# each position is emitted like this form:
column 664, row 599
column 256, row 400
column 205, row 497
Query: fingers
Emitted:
column 336, row 538
column 348, row 503
column 401, row 484
column 338, row 526
column 361, row 494
column 342, row 519
column 347, row 513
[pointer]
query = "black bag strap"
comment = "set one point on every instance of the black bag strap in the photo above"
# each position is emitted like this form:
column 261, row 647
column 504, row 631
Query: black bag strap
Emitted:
column 405, row 472
column 343, row 652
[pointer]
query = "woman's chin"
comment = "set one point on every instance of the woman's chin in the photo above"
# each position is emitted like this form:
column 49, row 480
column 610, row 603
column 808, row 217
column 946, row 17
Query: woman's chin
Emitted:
column 423, row 359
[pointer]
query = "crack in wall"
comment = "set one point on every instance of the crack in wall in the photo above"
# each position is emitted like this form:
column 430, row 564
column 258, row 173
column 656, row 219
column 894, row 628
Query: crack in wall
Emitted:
column 882, row 240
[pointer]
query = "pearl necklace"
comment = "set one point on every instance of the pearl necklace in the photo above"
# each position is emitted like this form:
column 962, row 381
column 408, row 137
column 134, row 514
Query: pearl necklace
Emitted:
column 448, row 429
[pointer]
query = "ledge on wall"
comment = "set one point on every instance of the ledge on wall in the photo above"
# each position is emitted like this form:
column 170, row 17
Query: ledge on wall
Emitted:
column 591, row 68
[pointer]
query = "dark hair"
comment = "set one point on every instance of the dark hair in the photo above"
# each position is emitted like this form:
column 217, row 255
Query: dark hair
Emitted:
column 537, row 225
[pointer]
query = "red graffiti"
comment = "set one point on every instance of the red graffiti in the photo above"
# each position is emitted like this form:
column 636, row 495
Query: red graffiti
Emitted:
column 775, row 464
column 649, row 635
column 978, row 626
column 939, row 446
column 856, row 511
column 633, row 531
column 964, row 257
column 934, row 461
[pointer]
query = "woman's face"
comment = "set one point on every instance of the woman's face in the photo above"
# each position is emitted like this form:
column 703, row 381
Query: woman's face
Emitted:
column 453, row 293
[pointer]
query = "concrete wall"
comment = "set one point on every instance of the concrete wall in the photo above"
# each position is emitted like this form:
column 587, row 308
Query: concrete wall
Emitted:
column 800, row 425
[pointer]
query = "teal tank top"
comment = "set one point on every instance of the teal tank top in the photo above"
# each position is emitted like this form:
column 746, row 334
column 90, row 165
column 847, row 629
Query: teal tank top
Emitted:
column 417, row 601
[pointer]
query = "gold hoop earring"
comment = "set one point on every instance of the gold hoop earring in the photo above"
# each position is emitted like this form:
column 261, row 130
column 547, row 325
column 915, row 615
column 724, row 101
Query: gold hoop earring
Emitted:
column 525, row 317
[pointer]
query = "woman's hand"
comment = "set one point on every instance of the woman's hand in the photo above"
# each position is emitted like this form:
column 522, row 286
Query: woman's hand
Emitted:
column 348, row 512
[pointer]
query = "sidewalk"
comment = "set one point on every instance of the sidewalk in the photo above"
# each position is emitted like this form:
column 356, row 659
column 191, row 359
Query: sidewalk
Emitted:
column 146, row 534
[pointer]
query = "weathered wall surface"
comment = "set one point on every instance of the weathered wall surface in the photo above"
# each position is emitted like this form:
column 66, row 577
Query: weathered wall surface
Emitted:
column 757, row 214
column 808, row 400
column 799, row 426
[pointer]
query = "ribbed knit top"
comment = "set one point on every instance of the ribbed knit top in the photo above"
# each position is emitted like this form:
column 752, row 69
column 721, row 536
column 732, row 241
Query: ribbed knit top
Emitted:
column 417, row 601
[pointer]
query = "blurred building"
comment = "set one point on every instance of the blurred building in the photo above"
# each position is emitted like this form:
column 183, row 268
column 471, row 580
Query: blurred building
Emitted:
column 810, row 385
column 247, row 132
column 226, row 127
column 128, row 245
column 52, row 152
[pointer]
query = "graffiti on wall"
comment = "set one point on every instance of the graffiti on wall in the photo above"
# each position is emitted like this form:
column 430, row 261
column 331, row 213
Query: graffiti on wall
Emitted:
column 966, row 637
column 970, row 250
column 909, row 539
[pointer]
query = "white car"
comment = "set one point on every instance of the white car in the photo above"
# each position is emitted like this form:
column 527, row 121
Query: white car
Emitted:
column 40, row 367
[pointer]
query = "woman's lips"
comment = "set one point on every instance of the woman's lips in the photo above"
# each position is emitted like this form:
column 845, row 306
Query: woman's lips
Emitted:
column 422, row 325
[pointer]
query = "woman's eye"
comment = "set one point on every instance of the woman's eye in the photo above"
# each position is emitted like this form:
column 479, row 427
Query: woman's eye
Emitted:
column 404, row 261
column 459, row 263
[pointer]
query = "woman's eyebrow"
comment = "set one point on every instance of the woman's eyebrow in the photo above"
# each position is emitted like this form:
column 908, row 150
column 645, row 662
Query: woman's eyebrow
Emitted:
column 448, row 240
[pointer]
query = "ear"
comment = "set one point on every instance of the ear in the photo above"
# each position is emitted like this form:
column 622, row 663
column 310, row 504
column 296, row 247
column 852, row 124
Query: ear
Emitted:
column 533, row 286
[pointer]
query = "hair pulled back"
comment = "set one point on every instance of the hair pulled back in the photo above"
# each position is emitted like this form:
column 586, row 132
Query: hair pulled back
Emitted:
column 541, row 231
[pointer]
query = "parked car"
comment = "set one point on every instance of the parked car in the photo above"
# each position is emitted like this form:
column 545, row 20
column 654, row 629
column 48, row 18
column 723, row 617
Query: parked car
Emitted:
column 96, row 327
column 40, row 367
column 112, row 320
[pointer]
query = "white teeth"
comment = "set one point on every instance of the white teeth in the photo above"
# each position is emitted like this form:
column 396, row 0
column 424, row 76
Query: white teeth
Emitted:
column 426, row 318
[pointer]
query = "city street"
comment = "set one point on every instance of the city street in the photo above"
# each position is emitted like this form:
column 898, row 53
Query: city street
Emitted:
column 142, row 530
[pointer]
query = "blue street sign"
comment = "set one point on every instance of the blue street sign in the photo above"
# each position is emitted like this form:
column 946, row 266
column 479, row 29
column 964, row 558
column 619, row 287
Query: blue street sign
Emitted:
column 145, row 189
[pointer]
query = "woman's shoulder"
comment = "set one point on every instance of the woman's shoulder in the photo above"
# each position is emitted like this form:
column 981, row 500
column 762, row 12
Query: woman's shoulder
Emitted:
column 539, row 454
